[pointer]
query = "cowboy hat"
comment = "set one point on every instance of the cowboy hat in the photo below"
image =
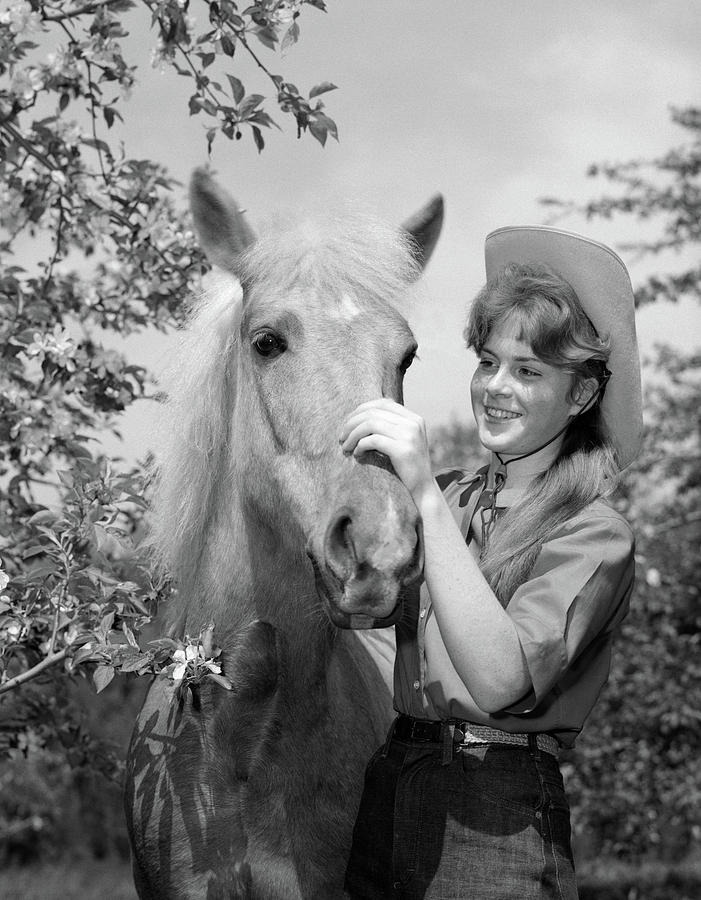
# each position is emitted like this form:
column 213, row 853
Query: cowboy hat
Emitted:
column 601, row 281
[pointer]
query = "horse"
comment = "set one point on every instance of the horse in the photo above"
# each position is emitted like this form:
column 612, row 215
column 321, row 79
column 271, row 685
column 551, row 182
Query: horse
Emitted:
column 295, row 556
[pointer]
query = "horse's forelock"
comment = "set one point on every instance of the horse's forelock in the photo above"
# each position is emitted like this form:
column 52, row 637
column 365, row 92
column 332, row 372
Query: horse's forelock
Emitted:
column 334, row 257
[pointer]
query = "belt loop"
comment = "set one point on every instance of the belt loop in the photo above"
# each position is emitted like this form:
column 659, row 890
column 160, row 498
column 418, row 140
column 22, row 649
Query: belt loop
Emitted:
column 533, row 745
column 447, row 737
column 390, row 735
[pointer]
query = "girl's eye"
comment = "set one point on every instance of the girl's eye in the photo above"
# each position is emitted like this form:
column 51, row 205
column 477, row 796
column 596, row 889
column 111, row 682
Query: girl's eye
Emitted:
column 268, row 344
column 486, row 363
column 529, row 373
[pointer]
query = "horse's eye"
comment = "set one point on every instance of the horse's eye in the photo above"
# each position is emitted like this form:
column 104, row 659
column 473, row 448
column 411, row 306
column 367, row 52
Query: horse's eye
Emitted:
column 407, row 361
column 269, row 344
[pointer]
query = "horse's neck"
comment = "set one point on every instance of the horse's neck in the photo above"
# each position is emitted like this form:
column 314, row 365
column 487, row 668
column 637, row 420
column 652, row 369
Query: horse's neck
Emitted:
column 249, row 573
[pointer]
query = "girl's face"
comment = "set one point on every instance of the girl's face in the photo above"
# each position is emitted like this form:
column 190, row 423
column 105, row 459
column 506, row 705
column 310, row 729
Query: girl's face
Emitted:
column 519, row 401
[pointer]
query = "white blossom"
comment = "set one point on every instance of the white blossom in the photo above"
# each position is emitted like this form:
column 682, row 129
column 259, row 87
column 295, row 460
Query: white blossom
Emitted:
column 26, row 83
column 19, row 17
column 182, row 658
column 58, row 345
column 653, row 578
column 192, row 658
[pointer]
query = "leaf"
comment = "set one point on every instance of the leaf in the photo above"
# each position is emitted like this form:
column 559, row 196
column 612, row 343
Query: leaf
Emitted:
column 106, row 625
column 77, row 449
column 40, row 571
column 260, row 117
column 291, row 37
column 249, row 104
column 321, row 126
column 228, row 45
column 65, row 477
column 129, row 634
column 26, row 336
column 165, row 644
column 83, row 655
column 97, row 144
column 139, row 606
column 33, row 551
column 102, row 676
column 319, row 132
column 110, row 115
column 106, row 543
column 135, row 664
column 258, row 137
column 322, row 88
column 221, row 680
column 238, row 91
column 43, row 517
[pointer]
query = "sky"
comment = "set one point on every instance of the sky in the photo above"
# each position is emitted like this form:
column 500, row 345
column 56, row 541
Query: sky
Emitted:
column 494, row 104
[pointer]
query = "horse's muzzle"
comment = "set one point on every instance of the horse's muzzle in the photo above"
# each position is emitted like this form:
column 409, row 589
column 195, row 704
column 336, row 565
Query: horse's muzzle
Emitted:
column 368, row 562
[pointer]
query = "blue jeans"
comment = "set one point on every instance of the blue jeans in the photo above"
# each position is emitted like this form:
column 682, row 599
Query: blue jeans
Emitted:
column 490, row 823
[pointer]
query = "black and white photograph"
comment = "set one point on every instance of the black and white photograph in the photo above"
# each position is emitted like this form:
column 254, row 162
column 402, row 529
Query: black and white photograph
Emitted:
column 350, row 445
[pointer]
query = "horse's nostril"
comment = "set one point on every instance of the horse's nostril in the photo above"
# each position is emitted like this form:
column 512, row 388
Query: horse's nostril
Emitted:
column 340, row 549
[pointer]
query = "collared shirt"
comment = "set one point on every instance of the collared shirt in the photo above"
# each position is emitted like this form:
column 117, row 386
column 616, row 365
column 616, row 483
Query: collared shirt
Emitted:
column 566, row 614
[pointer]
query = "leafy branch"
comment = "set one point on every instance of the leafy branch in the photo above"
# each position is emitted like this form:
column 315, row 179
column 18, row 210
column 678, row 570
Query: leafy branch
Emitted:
column 115, row 255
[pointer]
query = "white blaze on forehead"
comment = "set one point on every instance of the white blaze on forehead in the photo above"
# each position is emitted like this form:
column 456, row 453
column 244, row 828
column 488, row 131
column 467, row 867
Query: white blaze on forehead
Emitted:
column 387, row 551
column 348, row 309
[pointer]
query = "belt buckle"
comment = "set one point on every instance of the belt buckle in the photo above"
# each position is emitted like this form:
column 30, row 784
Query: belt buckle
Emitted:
column 417, row 731
column 463, row 736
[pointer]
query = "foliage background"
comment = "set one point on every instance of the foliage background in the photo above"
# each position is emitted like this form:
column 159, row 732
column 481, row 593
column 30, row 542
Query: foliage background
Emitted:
column 80, row 594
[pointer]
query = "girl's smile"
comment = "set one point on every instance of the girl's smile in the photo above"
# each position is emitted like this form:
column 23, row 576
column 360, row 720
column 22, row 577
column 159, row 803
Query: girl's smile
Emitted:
column 493, row 412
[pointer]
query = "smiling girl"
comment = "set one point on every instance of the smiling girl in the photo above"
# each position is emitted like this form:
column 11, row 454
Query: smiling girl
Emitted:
column 528, row 571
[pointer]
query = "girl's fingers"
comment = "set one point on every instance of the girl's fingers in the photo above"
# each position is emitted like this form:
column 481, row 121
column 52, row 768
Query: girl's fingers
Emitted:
column 398, row 429
column 381, row 443
column 381, row 415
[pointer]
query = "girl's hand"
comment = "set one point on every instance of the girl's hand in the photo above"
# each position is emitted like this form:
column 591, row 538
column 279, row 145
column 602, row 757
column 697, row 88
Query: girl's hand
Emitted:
column 392, row 429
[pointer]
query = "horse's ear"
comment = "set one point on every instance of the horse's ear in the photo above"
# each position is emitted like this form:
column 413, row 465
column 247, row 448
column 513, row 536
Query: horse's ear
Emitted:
column 220, row 225
column 424, row 228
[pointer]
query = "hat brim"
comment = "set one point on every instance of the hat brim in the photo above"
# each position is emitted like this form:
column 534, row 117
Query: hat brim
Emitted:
column 601, row 281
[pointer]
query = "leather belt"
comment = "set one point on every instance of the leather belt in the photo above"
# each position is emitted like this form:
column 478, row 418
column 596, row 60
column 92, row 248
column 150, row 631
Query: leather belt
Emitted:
column 464, row 734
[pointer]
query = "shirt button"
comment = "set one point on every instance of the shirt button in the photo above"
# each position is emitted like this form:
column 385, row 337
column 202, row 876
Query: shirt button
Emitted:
column 422, row 613
column 417, row 685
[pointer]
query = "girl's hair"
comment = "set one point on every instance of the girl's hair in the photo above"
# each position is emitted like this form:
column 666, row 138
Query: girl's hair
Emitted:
column 550, row 318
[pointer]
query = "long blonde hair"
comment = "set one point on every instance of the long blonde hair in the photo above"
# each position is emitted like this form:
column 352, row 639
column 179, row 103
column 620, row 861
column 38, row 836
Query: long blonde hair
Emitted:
column 552, row 321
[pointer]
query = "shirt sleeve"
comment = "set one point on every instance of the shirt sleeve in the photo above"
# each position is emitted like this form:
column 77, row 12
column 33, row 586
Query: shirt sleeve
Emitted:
column 579, row 589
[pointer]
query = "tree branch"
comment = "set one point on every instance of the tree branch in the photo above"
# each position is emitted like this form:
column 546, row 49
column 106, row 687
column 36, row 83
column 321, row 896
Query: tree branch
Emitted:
column 679, row 523
column 81, row 11
column 57, row 248
column 32, row 673
column 30, row 148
